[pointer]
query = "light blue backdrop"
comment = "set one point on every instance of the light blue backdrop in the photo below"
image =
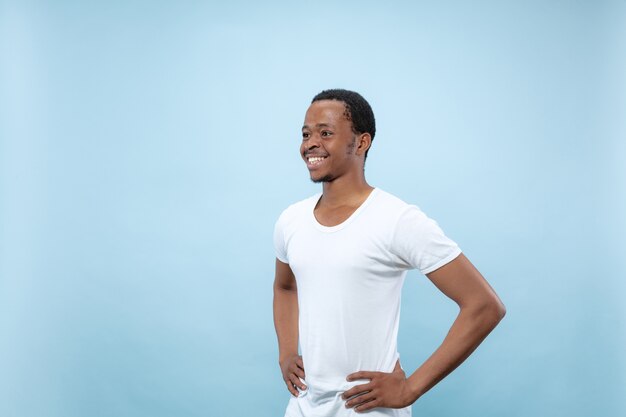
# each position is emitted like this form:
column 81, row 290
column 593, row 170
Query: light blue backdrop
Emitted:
column 146, row 149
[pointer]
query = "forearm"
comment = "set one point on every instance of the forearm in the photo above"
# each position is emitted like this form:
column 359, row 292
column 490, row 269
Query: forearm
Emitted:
column 469, row 329
column 286, row 321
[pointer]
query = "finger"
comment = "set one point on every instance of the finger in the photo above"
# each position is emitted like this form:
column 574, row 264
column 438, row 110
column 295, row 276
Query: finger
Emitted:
column 299, row 362
column 361, row 399
column 292, row 389
column 296, row 370
column 296, row 381
column 356, row 390
column 361, row 375
column 367, row 406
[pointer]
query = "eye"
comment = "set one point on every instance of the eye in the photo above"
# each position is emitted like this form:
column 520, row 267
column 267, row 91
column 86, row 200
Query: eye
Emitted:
column 326, row 133
column 305, row 135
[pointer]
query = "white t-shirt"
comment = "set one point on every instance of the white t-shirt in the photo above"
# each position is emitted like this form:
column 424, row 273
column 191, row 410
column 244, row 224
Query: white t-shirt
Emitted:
column 349, row 279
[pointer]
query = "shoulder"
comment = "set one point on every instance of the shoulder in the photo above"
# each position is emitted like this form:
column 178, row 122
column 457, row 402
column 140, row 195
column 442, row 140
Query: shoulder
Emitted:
column 383, row 213
column 298, row 209
column 394, row 213
column 390, row 205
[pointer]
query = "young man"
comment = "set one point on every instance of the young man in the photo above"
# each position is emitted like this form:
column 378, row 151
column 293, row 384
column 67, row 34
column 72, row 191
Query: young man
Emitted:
column 342, row 256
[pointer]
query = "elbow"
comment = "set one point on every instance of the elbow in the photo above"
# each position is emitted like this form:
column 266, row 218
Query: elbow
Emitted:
column 500, row 313
column 489, row 312
column 281, row 287
column 495, row 311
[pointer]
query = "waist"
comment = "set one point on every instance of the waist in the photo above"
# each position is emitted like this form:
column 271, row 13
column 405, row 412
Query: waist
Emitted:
column 327, row 390
column 323, row 398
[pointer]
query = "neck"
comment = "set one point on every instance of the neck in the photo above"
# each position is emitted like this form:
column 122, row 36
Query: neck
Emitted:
column 346, row 190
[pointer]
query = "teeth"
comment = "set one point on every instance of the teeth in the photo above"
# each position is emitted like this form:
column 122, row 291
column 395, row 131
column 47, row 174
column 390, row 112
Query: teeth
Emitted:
column 316, row 159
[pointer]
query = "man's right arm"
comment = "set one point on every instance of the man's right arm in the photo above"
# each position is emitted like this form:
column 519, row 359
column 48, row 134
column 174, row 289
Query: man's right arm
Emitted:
column 286, row 324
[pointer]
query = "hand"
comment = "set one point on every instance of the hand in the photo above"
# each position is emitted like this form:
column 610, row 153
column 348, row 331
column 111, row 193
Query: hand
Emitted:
column 293, row 369
column 384, row 390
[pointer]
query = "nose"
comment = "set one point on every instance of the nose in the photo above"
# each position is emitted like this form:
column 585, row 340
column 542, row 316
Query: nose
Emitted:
column 312, row 142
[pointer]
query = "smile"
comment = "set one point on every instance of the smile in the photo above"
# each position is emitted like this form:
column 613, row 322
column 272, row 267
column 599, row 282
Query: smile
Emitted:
column 314, row 160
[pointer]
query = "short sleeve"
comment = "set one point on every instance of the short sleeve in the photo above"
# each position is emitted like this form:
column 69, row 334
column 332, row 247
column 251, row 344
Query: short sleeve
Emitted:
column 420, row 243
column 279, row 241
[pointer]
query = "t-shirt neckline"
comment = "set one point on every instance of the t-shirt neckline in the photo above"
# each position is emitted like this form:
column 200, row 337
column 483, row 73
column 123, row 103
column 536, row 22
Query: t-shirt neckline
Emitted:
column 347, row 221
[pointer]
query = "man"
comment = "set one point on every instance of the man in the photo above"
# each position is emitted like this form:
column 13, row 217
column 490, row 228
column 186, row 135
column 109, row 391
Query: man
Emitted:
column 342, row 256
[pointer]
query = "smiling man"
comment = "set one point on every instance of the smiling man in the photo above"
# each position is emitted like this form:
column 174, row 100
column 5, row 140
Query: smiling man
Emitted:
column 342, row 256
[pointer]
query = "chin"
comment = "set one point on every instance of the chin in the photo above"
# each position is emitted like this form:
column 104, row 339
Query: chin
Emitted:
column 325, row 178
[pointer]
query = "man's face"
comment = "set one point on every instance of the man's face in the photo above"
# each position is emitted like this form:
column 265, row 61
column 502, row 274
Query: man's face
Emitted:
column 328, row 143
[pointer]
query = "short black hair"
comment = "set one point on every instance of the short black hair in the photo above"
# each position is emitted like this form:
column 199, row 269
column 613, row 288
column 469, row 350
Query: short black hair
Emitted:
column 358, row 110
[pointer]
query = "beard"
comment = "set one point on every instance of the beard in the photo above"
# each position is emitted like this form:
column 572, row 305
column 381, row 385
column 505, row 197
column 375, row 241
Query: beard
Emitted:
column 325, row 178
column 330, row 177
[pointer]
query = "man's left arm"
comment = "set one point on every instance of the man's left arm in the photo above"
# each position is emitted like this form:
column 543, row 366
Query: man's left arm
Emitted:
column 480, row 312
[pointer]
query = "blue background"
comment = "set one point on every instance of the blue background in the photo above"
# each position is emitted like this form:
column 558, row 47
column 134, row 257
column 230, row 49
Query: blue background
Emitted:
column 147, row 148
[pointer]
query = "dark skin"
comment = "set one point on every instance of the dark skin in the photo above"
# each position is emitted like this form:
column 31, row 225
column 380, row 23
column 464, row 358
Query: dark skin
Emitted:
column 327, row 133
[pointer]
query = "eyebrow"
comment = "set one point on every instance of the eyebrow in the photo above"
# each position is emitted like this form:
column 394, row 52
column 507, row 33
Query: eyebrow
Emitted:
column 318, row 125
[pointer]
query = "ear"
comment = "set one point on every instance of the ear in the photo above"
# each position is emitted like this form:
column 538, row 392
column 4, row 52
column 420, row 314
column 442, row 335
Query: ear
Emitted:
column 364, row 141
